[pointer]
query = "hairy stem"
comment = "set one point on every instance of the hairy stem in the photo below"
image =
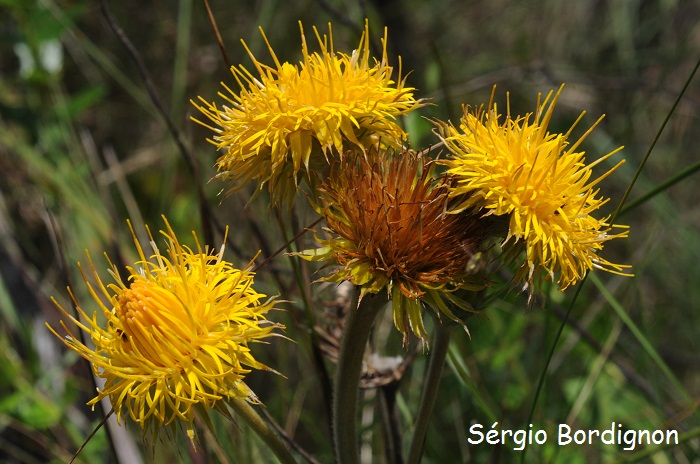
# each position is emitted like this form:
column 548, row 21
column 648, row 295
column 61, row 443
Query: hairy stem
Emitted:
column 438, row 354
column 358, row 325
column 246, row 412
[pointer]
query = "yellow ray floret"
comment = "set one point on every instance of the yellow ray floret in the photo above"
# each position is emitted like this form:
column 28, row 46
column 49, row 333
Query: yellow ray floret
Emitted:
column 176, row 333
column 540, row 180
column 287, row 117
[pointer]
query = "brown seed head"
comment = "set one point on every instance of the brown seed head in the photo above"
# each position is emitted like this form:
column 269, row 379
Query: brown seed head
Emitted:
column 387, row 219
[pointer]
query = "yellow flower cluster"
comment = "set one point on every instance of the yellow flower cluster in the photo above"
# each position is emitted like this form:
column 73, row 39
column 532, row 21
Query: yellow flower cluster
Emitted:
column 177, row 334
column 291, row 119
column 541, row 182
column 173, row 339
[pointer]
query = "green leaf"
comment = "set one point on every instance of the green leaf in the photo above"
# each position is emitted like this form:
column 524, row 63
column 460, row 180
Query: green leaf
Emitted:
column 31, row 409
column 80, row 102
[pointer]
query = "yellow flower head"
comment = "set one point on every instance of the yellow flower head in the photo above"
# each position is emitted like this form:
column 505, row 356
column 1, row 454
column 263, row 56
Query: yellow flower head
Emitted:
column 176, row 334
column 387, row 226
column 292, row 116
column 541, row 181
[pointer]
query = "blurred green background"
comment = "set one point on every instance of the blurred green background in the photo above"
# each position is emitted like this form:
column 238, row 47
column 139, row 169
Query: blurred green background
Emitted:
column 82, row 148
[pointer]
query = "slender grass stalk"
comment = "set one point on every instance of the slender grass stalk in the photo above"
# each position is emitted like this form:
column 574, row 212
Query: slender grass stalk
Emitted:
column 92, row 434
column 436, row 365
column 59, row 247
column 204, row 208
column 246, row 412
column 219, row 40
column 550, row 355
column 304, row 289
column 651, row 450
column 595, row 372
column 182, row 53
column 661, row 187
column 612, row 220
column 102, row 59
column 639, row 335
column 653, row 143
column 390, row 423
column 481, row 399
column 358, row 325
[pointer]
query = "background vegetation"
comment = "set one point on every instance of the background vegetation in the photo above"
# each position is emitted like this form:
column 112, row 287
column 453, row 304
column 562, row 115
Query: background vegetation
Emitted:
column 82, row 148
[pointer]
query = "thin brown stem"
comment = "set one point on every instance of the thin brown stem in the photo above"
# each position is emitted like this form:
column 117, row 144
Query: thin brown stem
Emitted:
column 288, row 243
column 204, row 208
column 57, row 243
column 246, row 412
column 219, row 40
column 92, row 434
column 290, row 441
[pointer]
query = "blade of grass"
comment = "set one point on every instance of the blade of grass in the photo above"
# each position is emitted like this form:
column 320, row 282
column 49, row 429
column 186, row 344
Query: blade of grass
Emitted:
column 8, row 310
column 653, row 143
column 219, row 40
column 168, row 163
column 304, row 291
column 101, row 58
column 268, row 434
column 182, row 52
column 459, row 367
column 612, row 220
column 661, row 187
column 651, row 450
column 193, row 168
column 543, row 374
column 594, row 373
column 636, row 331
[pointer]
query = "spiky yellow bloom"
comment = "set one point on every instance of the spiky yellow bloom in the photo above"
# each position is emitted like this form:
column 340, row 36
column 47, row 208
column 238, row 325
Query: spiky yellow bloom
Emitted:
column 540, row 180
column 176, row 335
column 292, row 116
column 387, row 227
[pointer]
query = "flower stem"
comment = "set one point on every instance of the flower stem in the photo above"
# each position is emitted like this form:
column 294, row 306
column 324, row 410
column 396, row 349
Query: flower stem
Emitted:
column 245, row 411
column 358, row 325
column 390, row 421
column 438, row 353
